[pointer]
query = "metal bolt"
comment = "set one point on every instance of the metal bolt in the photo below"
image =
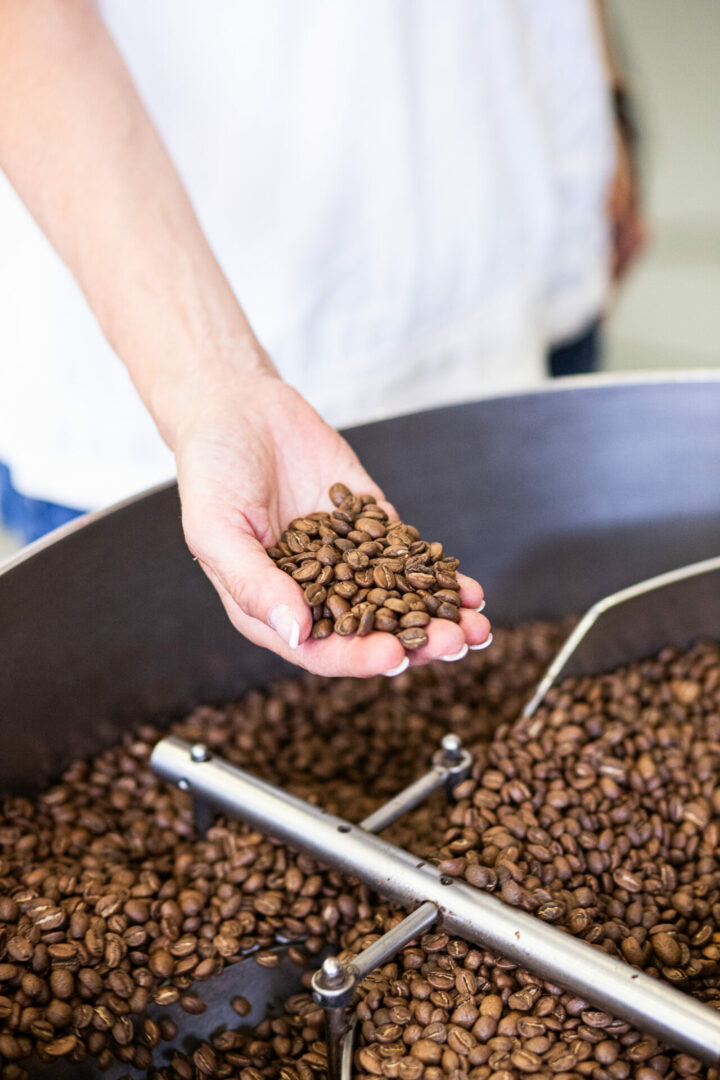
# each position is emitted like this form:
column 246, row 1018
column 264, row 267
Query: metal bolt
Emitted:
column 184, row 784
column 333, row 971
column 199, row 752
column 451, row 745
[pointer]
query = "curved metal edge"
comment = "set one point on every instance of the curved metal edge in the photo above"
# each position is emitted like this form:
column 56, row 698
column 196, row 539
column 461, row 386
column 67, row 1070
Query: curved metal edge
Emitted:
column 592, row 615
column 562, row 385
column 348, row 1049
column 77, row 525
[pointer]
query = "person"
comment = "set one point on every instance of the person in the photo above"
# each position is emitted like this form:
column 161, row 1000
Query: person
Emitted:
column 411, row 201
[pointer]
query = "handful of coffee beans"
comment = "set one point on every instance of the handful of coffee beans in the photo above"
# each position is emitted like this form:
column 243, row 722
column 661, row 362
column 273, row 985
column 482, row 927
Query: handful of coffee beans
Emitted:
column 362, row 572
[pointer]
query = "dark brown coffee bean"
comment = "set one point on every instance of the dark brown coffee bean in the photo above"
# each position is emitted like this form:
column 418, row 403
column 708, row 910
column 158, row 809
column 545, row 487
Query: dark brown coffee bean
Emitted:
column 20, row 948
column 62, row 983
column 413, row 638
column 322, row 629
column 337, row 606
column 426, row 1051
column 89, row 983
column 205, row 1061
column 666, row 948
column 338, row 492
column 446, row 579
column 414, row 619
column 448, row 596
column 385, row 620
column 356, row 560
column 296, row 541
column 266, row 958
column 419, row 578
column 307, row 571
column 446, row 610
column 61, row 1047
column 346, row 624
column 366, row 621
column 346, row 589
column 8, row 909
column 192, row 1004
column 315, row 594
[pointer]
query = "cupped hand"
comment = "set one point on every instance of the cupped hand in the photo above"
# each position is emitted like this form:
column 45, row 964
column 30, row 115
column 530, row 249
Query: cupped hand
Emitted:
column 250, row 459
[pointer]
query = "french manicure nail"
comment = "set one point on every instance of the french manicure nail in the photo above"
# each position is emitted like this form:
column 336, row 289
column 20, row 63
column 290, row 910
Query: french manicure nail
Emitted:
column 455, row 656
column 483, row 644
column 482, row 607
column 285, row 625
column 399, row 669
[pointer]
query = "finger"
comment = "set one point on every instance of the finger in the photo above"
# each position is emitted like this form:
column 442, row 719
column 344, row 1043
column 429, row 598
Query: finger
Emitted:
column 476, row 628
column 234, row 559
column 361, row 657
column 471, row 592
column 376, row 654
column 446, row 640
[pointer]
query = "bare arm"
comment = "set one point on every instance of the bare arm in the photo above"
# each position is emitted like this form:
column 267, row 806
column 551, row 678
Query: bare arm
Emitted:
column 78, row 145
column 627, row 221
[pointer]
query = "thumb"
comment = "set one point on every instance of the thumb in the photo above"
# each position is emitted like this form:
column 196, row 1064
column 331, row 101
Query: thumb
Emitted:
column 236, row 561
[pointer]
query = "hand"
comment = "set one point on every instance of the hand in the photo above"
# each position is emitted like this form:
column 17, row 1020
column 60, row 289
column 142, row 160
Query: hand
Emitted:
column 251, row 457
column 628, row 227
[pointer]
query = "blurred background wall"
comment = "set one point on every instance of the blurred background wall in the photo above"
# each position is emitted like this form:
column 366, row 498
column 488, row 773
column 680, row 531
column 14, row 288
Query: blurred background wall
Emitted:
column 667, row 314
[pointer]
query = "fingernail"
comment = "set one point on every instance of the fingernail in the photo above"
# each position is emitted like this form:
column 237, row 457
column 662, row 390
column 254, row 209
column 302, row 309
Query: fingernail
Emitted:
column 284, row 623
column 455, row 656
column 399, row 669
column 482, row 607
column 483, row 644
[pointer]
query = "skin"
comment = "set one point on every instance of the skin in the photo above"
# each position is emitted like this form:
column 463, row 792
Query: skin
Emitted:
column 628, row 228
column 81, row 151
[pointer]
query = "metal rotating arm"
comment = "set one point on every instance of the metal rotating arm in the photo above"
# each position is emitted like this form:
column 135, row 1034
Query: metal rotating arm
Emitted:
column 671, row 1016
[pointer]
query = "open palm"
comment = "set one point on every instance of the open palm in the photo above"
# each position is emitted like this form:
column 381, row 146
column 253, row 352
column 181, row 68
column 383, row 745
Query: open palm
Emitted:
column 251, row 461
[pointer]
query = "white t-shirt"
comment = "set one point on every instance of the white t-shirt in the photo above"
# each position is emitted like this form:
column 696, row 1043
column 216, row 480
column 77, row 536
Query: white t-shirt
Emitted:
column 406, row 195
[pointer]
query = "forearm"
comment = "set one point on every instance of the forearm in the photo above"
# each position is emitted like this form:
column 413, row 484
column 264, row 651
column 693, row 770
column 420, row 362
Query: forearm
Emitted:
column 80, row 149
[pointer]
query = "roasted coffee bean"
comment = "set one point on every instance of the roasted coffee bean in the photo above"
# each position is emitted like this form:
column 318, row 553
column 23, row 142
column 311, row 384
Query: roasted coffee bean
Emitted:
column 413, row 638
column 315, row 594
column 599, row 813
column 322, row 628
column 358, row 555
column 346, row 624
column 337, row 606
column 193, row 1004
column 447, row 610
column 386, row 620
column 414, row 619
column 338, row 492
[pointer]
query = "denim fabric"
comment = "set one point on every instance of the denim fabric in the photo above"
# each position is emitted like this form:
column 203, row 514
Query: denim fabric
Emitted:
column 29, row 518
column 578, row 357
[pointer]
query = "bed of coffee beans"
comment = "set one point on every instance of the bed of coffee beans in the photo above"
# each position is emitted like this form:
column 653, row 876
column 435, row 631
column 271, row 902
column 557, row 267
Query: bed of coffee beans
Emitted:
column 600, row 814
column 109, row 901
column 361, row 572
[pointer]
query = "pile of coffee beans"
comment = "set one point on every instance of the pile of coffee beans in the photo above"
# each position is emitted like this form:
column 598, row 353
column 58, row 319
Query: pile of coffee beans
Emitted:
column 599, row 814
column 361, row 572
column 110, row 902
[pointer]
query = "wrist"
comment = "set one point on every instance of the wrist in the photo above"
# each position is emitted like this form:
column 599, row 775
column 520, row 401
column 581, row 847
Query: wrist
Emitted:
column 187, row 397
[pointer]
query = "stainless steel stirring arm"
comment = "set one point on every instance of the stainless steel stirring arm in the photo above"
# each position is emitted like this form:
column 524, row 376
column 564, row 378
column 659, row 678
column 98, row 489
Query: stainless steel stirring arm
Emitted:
column 673, row 1017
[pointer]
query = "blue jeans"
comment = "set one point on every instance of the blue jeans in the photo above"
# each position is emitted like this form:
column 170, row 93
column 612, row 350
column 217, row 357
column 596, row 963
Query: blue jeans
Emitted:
column 577, row 357
column 29, row 518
